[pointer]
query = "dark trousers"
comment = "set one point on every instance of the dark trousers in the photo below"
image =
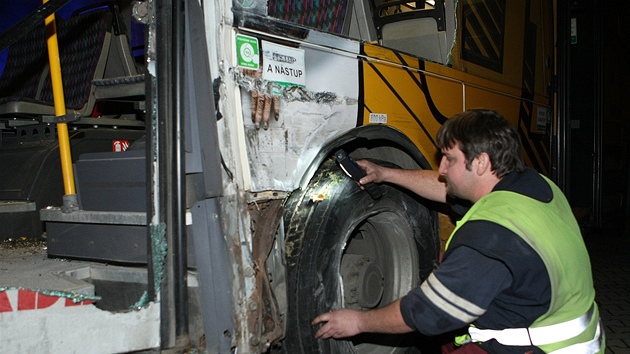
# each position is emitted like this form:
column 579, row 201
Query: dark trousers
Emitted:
column 470, row 348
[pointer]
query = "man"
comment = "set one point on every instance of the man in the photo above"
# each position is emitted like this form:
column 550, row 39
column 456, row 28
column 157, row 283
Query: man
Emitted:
column 515, row 267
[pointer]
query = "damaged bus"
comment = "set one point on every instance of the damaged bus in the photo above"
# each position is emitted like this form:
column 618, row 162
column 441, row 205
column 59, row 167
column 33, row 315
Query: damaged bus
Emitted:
column 180, row 193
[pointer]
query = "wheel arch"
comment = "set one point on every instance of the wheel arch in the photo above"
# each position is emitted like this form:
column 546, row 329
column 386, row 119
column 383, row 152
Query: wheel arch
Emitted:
column 374, row 141
column 378, row 142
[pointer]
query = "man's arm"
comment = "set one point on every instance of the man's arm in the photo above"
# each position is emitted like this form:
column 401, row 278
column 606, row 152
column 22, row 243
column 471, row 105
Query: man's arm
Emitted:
column 343, row 323
column 425, row 183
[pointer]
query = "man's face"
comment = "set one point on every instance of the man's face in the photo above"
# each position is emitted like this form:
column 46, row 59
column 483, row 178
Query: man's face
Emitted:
column 459, row 179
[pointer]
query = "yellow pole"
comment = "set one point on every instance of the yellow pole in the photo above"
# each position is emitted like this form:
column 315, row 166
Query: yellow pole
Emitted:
column 60, row 106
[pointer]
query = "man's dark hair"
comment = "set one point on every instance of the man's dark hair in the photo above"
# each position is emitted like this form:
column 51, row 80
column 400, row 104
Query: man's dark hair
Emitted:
column 483, row 130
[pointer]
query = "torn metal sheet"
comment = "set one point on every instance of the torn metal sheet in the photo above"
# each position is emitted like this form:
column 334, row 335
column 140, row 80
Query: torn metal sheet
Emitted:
column 280, row 153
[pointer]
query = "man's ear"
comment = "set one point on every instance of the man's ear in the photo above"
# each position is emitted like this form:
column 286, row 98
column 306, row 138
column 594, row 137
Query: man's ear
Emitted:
column 482, row 164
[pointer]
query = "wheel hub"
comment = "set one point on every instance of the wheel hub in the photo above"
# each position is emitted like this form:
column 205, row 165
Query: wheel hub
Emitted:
column 362, row 280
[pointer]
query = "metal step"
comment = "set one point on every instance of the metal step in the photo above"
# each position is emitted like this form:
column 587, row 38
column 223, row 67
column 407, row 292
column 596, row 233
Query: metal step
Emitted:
column 111, row 236
column 54, row 214
column 16, row 206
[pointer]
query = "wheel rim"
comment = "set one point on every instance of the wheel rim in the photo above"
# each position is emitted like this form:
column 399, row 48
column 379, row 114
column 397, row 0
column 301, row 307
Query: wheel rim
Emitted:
column 379, row 265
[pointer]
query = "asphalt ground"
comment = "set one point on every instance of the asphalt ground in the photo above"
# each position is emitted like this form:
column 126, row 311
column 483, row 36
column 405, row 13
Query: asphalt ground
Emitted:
column 610, row 259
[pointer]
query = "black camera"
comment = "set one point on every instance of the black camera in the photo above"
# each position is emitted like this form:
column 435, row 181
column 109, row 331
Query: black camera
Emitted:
column 354, row 171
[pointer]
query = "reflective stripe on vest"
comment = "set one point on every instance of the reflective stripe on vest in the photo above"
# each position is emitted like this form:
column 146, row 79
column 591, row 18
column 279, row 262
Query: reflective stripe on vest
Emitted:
column 592, row 346
column 535, row 336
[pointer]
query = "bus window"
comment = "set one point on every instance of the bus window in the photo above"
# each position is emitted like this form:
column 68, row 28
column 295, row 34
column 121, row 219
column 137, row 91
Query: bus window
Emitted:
column 416, row 27
column 422, row 28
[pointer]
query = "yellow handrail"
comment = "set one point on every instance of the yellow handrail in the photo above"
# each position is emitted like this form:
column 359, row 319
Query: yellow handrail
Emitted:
column 60, row 106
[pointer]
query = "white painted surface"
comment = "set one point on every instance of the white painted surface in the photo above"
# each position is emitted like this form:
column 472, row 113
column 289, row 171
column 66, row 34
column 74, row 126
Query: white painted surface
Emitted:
column 77, row 328
column 279, row 156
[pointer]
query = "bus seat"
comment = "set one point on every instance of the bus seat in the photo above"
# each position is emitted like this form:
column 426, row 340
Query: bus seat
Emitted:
column 96, row 64
column 121, row 80
column 327, row 16
column 25, row 68
column 80, row 63
column 121, row 87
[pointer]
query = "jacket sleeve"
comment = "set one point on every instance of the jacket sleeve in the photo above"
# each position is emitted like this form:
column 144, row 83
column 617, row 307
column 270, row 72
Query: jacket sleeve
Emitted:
column 456, row 293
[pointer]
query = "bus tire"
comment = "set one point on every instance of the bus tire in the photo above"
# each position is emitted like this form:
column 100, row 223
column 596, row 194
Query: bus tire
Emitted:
column 345, row 249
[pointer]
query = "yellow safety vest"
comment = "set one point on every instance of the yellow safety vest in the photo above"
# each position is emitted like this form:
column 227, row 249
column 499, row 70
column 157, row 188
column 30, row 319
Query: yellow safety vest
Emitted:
column 571, row 325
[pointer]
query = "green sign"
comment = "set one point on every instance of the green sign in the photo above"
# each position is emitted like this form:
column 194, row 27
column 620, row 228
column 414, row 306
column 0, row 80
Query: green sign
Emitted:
column 247, row 50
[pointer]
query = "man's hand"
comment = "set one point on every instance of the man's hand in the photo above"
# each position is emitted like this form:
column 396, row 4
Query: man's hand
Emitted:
column 338, row 323
column 343, row 323
column 373, row 172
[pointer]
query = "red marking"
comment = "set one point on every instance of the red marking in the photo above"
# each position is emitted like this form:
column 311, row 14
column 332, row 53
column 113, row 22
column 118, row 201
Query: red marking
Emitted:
column 44, row 301
column 32, row 300
column 5, row 304
column 120, row 145
column 26, row 299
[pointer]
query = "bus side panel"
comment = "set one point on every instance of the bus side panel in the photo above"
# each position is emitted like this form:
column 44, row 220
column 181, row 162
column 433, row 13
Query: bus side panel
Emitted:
column 416, row 97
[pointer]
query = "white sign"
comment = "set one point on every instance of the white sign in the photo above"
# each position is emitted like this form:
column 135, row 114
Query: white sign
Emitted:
column 284, row 65
column 380, row 118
